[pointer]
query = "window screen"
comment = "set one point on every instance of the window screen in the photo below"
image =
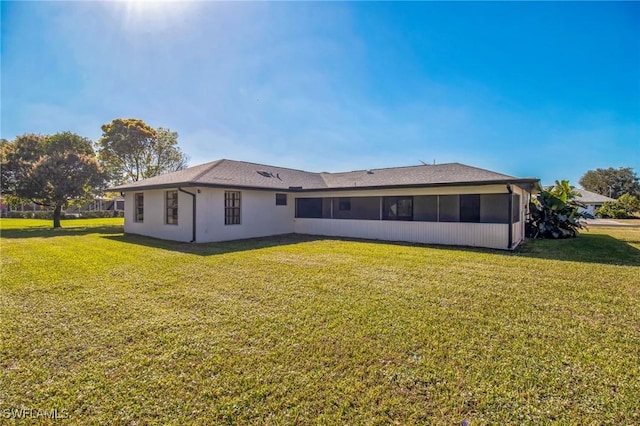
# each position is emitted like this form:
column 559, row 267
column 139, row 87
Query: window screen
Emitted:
column 470, row 208
column 425, row 208
column 449, row 208
column 516, row 208
column 494, row 208
column 344, row 204
column 309, row 207
column 364, row 208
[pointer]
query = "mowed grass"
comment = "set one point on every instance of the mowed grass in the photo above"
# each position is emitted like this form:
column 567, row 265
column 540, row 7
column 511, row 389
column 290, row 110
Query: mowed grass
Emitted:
column 121, row 329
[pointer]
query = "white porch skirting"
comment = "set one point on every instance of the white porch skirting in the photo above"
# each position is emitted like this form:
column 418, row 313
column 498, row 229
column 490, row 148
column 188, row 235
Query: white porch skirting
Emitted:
column 491, row 235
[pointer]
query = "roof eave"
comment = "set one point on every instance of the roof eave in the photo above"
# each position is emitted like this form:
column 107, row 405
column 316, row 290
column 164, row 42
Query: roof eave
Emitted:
column 129, row 188
column 201, row 185
column 532, row 183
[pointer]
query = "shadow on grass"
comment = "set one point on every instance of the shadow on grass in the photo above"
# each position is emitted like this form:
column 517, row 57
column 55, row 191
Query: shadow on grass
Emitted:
column 210, row 249
column 587, row 248
column 48, row 231
column 602, row 249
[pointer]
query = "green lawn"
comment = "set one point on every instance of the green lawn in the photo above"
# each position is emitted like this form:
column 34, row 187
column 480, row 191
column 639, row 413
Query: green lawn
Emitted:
column 118, row 329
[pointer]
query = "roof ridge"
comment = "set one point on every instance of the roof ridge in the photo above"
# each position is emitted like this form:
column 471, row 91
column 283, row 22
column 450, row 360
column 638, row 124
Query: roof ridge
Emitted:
column 389, row 168
column 485, row 170
column 217, row 162
column 268, row 165
column 207, row 170
column 321, row 174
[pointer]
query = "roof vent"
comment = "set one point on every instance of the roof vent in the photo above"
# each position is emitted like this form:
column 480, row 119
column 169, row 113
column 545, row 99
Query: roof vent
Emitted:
column 265, row 174
column 369, row 172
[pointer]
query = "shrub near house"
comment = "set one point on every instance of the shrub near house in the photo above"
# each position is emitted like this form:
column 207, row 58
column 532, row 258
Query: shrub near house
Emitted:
column 555, row 213
column 624, row 207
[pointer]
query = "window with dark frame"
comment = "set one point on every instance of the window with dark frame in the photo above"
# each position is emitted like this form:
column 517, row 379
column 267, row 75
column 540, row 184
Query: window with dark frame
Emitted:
column 171, row 204
column 139, row 209
column 397, row 208
column 232, row 207
column 281, row 199
column 344, row 204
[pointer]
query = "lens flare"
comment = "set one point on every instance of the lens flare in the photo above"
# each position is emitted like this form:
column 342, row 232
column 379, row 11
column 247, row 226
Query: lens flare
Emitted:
column 155, row 13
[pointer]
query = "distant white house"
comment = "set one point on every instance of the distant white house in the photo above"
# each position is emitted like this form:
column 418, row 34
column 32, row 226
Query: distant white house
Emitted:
column 98, row 204
column 591, row 200
column 225, row 200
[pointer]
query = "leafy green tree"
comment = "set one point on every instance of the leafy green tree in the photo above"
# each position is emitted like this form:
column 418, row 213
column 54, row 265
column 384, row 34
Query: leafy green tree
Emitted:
column 626, row 206
column 131, row 150
column 611, row 182
column 554, row 213
column 49, row 170
column 164, row 155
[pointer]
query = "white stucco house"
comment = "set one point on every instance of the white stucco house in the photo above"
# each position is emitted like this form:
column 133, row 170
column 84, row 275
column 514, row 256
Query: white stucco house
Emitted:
column 226, row 200
column 591, row 201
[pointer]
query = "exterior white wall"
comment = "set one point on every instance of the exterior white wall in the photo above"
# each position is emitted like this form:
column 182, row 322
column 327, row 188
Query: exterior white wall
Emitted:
column 154, row 224
column 259, row 215
column 493, row 235
column 590, row 208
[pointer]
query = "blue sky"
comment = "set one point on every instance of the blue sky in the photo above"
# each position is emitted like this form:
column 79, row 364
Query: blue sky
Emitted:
column 549, row 90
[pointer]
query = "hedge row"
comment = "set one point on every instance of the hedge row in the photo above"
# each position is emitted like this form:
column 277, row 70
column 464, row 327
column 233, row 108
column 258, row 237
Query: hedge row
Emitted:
column 49, row 215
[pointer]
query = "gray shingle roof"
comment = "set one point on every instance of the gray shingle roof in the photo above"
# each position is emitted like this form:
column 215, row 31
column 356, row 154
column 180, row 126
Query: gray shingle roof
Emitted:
column 589, row 197
column 412, row 175
column 240, row 174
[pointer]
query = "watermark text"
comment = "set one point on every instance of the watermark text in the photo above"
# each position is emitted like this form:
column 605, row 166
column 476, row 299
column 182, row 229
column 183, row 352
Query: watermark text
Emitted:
column 34, row 413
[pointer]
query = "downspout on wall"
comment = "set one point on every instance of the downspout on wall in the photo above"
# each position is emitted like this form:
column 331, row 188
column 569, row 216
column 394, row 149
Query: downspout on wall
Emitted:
column 510, row 241
column 193, row 223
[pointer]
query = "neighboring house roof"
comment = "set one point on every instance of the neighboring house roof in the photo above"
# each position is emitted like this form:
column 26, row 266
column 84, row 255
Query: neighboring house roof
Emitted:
column 588, row 197
column 240, row 174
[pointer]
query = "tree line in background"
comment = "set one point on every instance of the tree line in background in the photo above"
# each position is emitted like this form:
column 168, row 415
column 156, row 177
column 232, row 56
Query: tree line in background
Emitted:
column 53, row 170
column 622, row 184
column 612, row 183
